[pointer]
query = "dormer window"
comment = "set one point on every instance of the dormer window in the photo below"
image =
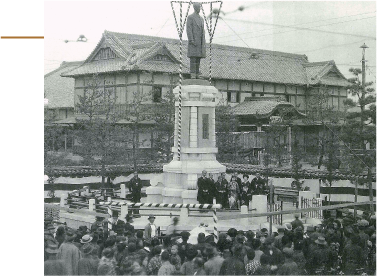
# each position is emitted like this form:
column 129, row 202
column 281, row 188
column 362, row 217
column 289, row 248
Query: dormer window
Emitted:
column 105, row 53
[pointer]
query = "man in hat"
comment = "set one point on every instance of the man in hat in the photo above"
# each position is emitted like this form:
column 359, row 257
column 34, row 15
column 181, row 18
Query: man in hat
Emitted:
column 289, row 267
column 278, row 239
column 135, row 187
column 53, row 266
column 197, row 43
column 86, row 239
column 297, row 222
column 49, row 236
column 150, row 229
column 319, row 258
column 97, row 223
column 172, row 228
column 117, row 225
column 69, row 253
column 129, row 228
column 87, row 265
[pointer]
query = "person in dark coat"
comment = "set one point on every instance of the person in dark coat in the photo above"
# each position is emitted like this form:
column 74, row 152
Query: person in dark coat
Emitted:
column 222, row 191
column 53, row 266
column 275, row 256
column 197, row 43
column 204, row 189
column 296, row 223
column 135, row 186
column 117, row 225
column 212, row 184
column 182, row 247
column 234, row 265
column 353, row 256
column 260, row 185
column 128, row 227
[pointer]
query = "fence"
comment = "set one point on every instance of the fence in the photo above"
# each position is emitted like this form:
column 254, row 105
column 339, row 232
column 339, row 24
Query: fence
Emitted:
column 276, row 219
column 314, row 202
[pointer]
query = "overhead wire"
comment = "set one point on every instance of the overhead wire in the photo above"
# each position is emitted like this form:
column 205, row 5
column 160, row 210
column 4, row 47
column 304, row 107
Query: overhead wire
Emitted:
column 310, row 22
column 300, row 28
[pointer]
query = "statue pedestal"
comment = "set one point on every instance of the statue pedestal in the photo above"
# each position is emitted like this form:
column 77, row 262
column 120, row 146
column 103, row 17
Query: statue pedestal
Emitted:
column 198, row 144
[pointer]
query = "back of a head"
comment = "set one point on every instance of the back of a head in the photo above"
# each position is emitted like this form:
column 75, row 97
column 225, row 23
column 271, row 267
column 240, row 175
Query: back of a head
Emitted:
column 250, row 235
column 250, row 253
column 256, row 243
column 108, row 253
column 199, row 262
column 165, row 256
column 139, row 234
column 156, row 250
column 60, row 231
column 237, row 250
column 121, row 247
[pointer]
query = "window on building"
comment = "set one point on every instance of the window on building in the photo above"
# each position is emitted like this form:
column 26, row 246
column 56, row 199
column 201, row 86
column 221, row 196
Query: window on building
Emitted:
column 287, row 98
column 205, row 118
column 233, row 97
column 262, row 94
column 157, row 94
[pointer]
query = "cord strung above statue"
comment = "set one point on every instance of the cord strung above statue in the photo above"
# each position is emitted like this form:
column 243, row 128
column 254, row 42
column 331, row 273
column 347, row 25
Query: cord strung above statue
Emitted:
column 196, row 49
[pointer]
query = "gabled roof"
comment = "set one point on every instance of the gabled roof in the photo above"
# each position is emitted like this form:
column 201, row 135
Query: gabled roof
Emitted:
column 228, row 62
column 318, row 72
column 60, row 91
column 263, row 108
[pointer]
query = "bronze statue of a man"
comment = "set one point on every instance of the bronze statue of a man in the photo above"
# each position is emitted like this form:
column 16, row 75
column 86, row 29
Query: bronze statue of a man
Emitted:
column 197, row 41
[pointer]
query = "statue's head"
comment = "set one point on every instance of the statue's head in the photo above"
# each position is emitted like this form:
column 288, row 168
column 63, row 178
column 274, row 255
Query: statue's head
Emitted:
column 196, row 6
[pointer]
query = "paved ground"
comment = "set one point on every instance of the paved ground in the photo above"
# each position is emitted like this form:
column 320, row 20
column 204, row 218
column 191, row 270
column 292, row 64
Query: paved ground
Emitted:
column 164, row 218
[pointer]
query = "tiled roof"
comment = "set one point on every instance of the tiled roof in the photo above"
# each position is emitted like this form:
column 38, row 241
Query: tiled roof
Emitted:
column 316, row 73
column 228, row 62
column 60, row 91
column 262, row 108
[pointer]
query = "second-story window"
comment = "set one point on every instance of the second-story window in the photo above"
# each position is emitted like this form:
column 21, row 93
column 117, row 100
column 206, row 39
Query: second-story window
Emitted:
column 233, row 97
column 157, row 94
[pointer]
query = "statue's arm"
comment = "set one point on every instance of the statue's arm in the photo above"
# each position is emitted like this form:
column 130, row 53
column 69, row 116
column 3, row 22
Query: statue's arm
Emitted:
column 189, row 30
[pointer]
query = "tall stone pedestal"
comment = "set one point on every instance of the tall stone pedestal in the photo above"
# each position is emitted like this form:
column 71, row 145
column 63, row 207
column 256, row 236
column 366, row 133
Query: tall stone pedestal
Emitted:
column 198, row 144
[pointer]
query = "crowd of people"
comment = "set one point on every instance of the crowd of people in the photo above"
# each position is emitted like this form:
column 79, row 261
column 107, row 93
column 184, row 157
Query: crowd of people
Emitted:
column 230, row 194
column 337, row 246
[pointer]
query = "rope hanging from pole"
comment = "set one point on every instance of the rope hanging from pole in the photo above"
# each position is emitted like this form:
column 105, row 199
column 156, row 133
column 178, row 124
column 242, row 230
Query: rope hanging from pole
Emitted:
column 180, row 32
column 211, row 32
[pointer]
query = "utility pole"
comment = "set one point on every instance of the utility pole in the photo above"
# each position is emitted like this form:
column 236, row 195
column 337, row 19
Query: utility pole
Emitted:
column 362, row 106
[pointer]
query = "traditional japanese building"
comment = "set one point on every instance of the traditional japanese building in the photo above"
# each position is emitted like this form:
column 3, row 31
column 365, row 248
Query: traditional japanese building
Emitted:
column 246, row 78
column 136, row 62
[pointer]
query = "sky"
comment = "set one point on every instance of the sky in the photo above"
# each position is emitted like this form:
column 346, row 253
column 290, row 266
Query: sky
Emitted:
column 331, row 30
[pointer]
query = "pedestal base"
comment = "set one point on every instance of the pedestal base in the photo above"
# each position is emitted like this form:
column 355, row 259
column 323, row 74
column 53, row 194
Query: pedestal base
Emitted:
column 179, row 184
